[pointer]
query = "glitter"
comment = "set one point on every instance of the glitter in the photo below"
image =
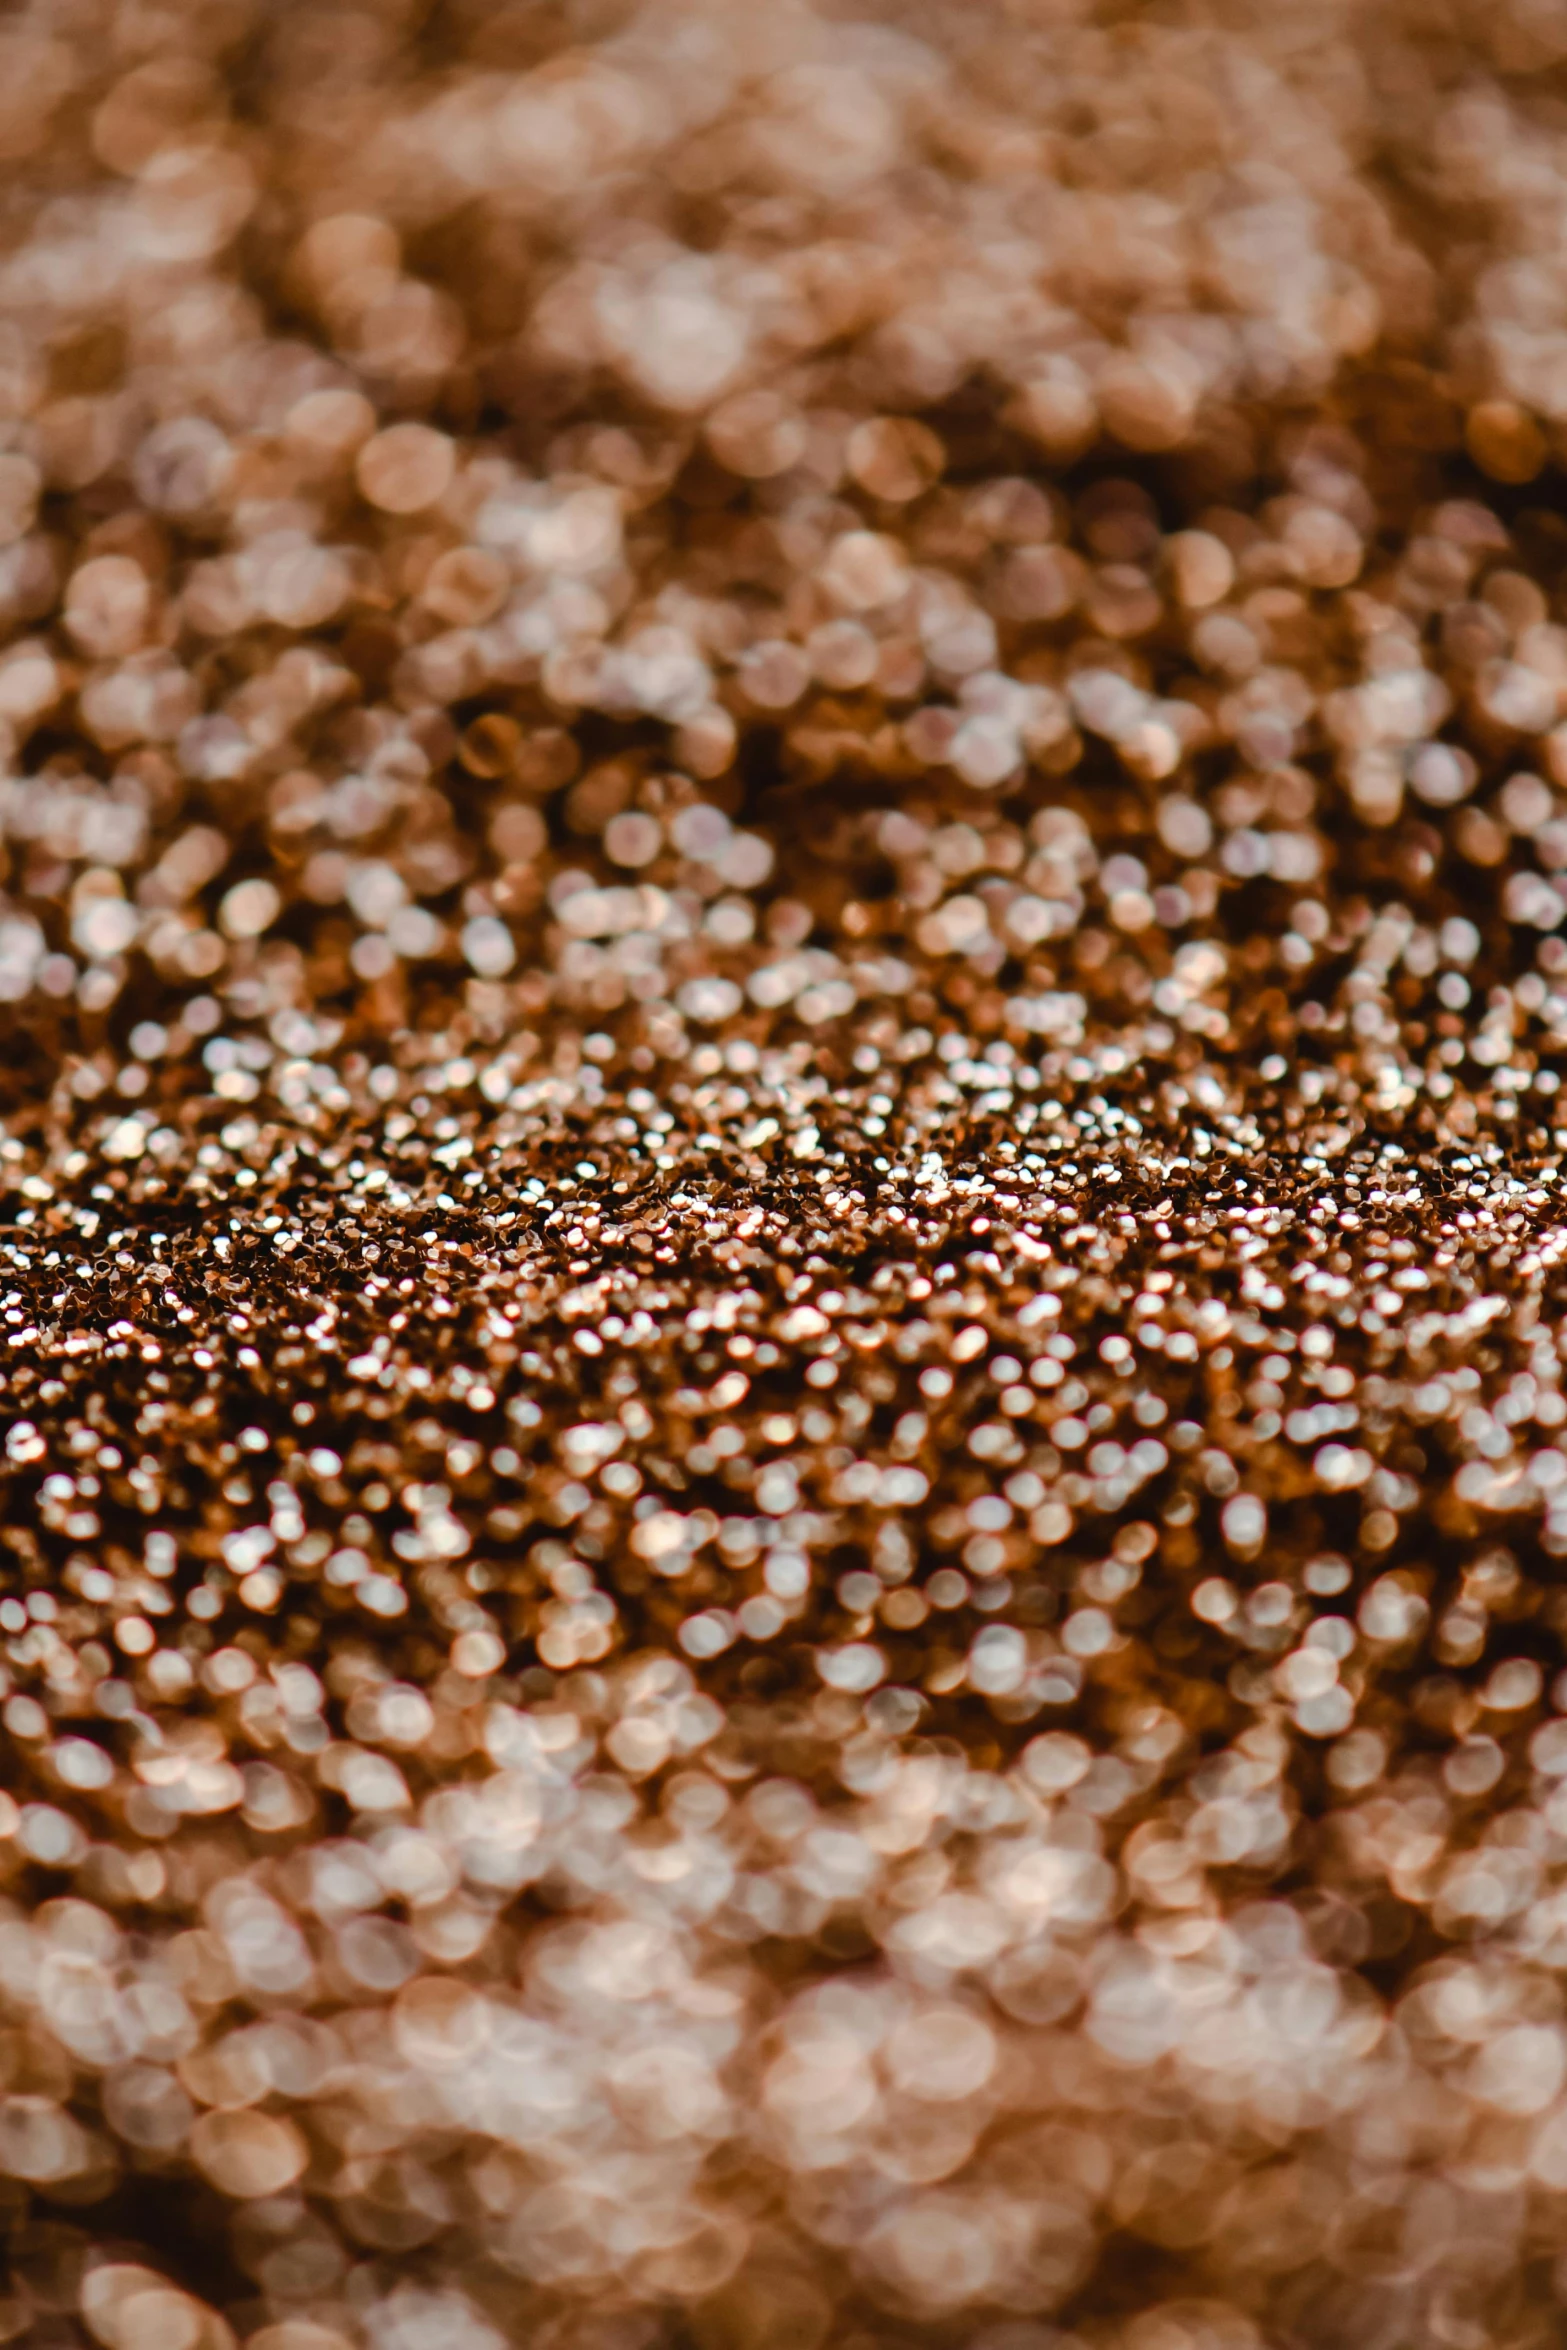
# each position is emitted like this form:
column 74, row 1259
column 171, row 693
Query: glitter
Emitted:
column 781, row 1298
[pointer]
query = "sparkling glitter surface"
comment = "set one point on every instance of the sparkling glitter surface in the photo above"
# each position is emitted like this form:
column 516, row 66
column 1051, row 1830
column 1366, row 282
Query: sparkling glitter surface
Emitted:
column 783, row 828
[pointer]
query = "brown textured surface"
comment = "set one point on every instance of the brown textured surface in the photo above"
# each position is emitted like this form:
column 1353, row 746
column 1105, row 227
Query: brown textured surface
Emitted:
column 784, row 807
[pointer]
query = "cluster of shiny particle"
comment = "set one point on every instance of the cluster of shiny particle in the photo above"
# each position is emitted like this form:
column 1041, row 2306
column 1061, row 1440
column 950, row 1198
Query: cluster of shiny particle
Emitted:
column 947, row 1716
column 783, row 1344
column 328, row 650
column 1033, row 790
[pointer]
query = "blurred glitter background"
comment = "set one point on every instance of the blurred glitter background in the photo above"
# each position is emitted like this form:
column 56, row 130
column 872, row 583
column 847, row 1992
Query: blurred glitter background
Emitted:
column 781, row 889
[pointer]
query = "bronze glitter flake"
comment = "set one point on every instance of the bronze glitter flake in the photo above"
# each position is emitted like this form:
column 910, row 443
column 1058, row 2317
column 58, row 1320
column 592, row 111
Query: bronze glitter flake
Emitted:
column 783, row 962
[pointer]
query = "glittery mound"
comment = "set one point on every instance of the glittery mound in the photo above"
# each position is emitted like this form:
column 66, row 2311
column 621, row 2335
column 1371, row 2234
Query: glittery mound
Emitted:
column 784, row 814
